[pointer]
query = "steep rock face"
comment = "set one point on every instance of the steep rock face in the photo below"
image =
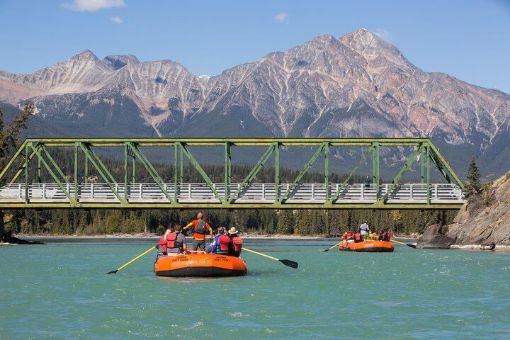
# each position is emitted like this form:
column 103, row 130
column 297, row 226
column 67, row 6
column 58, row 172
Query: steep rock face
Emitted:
column 97, row 114
column 485, row 219
column 164, row 91
column 356, row 86
column 119, row 61
column 435, row 237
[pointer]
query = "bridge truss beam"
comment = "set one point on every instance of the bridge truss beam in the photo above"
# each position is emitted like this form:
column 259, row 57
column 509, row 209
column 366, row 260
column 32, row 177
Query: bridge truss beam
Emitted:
column 227, row 194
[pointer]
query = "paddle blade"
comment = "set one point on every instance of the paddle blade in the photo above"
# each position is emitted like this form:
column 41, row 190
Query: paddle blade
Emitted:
column 333, row 246
column 412, row 245
column 113, row 271
column 289, row 263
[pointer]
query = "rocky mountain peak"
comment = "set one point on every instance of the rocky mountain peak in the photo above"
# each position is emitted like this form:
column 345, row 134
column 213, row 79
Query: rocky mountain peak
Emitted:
column 362, row 36
column 81, row 73
column 322, row 43
column 85, row 56
column 374, row 48
column 324, row 40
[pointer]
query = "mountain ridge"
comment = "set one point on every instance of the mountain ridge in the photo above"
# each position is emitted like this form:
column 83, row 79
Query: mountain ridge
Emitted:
column 357, row 85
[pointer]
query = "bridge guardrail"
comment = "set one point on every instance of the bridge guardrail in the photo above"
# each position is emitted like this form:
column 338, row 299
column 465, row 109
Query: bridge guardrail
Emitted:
column 254, row 193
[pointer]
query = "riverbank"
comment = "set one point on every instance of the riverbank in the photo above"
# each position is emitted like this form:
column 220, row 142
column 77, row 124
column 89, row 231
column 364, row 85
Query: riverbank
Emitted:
column 151, row 236
column 499, row 247
column 44, row 238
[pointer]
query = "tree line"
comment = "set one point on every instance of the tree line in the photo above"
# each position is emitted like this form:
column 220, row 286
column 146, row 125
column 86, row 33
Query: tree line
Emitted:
column 266, row 221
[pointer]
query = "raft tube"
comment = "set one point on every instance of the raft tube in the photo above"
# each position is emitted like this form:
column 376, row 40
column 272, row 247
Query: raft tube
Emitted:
column 366, row 246
column 199, row 264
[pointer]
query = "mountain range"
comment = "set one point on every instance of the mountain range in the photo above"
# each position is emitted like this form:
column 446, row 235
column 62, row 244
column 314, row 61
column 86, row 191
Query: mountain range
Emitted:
column 358, row 85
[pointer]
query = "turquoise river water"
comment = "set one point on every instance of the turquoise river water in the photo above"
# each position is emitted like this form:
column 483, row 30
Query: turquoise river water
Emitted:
column 61, row 290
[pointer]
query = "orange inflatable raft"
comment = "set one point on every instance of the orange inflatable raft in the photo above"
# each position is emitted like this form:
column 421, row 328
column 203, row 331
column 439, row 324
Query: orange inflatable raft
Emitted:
column 366, row 246
column 199, row 264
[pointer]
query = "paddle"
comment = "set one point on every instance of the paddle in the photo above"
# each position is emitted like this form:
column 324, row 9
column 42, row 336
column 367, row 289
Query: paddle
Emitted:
column 288, row 263
column 333, row 246
column 406, row 244
column 133, row 260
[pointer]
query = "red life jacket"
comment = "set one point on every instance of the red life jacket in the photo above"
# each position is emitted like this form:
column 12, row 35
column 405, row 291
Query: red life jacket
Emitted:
column 162, row 244
column 200, row 228
column 237, row 244
column 171, row 241
column 223, row 241
column 357, row 237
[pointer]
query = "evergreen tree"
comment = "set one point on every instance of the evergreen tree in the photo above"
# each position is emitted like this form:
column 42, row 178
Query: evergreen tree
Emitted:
column 9, row 141
column 303, row 222
column 396, row 217
column 285, row 222
column 473, row 186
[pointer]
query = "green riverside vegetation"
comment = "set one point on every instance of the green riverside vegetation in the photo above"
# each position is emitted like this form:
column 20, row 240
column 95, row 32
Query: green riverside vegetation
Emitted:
column 300, row 222
column 9, row 142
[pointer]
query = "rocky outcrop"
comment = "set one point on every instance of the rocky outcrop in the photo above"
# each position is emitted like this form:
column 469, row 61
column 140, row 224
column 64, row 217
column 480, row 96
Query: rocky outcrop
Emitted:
column 357, row 85
column 435, row 237
column 483, row 221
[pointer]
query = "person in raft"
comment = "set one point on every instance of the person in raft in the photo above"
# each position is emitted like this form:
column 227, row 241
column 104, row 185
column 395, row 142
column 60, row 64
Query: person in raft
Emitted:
column 200, row 228
column 162, row 240
column 387, row 236
column 372, row 235
column 221, row 243
column 173, row 241
column 357, row 237
column 209, row 249
column 348, row 235
column 364, row 229
column 236, row 243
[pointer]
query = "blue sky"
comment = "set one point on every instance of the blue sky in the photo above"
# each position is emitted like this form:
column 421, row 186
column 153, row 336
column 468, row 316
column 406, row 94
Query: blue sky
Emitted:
column 469, row 39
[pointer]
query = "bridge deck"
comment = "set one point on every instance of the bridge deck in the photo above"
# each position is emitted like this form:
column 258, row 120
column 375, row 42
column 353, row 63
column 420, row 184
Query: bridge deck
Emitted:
column 306, row 194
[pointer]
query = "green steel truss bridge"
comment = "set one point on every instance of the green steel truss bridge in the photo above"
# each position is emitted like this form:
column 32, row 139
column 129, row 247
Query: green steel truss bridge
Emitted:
column 22, row 185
